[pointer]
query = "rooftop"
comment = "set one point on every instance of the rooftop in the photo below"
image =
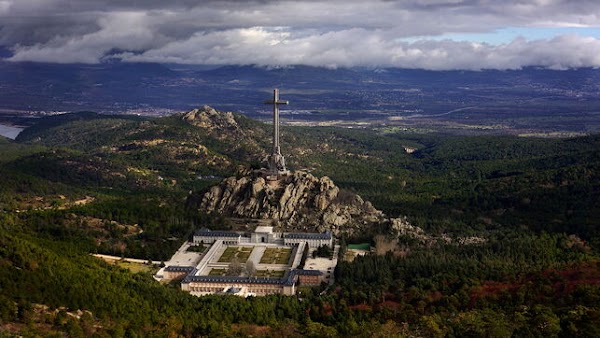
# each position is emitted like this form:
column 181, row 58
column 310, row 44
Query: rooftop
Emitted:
column 232, row 279
column 306, row 235
column 264, row 229
column 176, row 268
column 288, row 280
column 209, row 233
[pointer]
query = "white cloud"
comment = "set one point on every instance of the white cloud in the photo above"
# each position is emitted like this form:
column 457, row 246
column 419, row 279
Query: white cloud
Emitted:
column 333, row 33
column 359, row 47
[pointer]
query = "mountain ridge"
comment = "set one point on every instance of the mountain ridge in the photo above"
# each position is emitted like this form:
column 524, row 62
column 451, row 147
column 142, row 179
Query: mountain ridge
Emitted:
column 487, row 101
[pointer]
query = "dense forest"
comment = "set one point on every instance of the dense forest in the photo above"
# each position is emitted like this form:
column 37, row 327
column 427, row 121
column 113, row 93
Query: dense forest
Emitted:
column 512, row 231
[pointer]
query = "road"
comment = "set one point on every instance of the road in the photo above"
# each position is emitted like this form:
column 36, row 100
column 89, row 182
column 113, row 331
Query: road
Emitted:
column 131, row 260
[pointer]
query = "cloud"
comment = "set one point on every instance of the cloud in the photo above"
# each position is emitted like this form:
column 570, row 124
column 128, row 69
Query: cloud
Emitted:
column 118, row 30
column 335, row 33
column 359, row 47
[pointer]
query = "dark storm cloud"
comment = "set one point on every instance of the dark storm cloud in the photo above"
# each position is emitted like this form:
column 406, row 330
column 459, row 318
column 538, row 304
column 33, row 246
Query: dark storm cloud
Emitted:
column 406, row 33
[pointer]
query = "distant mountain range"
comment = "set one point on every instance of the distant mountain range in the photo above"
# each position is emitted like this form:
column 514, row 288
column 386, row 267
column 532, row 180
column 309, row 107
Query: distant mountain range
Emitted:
column 524, row 99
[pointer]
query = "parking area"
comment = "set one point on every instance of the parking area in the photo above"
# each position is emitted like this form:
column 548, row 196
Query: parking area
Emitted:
column 325, row 265
column 182, row 257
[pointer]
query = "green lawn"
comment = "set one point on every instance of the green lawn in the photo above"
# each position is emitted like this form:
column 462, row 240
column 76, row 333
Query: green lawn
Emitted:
column 136, row 267
column 242, row 254
column 276, row 256
column 270, row 273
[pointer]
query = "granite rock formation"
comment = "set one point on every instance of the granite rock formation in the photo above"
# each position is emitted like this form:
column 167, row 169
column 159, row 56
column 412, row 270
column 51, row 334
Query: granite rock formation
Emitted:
column 211, row 119
column 299, row 201
column 226, row 127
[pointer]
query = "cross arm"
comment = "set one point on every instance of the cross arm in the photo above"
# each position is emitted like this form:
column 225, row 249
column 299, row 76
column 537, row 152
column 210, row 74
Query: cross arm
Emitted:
column 277, row 102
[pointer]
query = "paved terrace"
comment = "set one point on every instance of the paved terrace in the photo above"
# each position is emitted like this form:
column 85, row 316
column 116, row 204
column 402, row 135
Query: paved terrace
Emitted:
column 325, row 265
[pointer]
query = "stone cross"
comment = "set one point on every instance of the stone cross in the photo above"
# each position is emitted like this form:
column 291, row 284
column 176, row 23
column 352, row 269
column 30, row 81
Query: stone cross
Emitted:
column 276, row 160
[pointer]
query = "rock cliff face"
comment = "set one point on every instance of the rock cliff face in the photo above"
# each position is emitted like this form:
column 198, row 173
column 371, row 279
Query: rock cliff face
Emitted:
column 299, row 201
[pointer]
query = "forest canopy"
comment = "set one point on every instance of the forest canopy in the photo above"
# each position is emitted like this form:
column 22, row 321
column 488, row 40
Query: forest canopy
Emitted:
column 521, row 216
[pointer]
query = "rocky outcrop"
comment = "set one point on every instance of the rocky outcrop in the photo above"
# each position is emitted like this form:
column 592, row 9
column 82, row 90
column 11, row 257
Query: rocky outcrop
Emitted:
column 211, row 119
column 299, row 201
column 224, row 126
column 402, row 227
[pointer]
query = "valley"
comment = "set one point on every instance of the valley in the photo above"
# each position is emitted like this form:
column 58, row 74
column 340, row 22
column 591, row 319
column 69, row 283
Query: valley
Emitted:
column 516, row 102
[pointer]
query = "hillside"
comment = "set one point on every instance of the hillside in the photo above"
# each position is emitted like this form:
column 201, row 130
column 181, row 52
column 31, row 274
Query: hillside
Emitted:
column 169, row 146
column 449, row 183
column 511, row 226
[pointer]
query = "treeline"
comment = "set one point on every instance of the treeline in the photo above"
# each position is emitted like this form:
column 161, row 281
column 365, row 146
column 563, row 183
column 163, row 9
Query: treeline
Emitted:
column 534, row 203
column 468, row 184
column 502, row 255
column 159, row 227
column 512, row 285
column 515, row 284
column 59, row 275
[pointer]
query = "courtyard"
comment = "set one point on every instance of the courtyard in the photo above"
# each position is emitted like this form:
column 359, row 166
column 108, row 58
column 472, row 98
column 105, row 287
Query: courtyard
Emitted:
column 279, row 256
column 241, row 253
